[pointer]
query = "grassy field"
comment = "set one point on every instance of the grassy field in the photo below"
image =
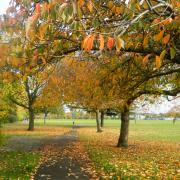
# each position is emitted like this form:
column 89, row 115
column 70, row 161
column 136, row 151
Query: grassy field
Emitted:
column 153, row 152
column 142, row 130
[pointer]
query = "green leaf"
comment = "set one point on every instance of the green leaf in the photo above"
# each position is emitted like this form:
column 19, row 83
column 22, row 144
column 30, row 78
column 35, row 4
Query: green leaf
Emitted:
column 162, row 55
column 172, row 53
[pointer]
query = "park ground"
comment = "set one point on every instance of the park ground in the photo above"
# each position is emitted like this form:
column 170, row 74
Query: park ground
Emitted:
column 58, row 150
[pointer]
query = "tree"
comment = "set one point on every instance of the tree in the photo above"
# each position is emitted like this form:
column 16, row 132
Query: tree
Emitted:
column 147, row 28
column 23, row 64
column 50, row 100
column 78, row 85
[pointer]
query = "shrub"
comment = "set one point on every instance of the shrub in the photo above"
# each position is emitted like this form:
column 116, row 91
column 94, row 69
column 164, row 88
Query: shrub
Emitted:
column 12, row 118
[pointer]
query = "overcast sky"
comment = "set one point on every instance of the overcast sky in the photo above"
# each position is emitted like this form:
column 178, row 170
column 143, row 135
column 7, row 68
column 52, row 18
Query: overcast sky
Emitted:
column 3, row 6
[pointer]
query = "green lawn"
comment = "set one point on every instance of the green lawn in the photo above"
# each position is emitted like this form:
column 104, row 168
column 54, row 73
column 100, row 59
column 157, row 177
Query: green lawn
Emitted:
column 143, row 129
column 17, row 165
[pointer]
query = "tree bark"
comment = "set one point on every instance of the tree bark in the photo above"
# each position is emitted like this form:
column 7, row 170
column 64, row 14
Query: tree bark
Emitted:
column 124, row 131
column 97, row 121
column 45, row 115
column 102, row 118
column 31, row 119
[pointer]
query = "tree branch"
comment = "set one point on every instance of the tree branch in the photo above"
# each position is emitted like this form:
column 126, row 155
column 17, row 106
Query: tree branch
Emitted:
column 18, row 103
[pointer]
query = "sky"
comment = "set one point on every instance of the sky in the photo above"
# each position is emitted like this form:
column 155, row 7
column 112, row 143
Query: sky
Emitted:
column 3, row 6
column 161, row 106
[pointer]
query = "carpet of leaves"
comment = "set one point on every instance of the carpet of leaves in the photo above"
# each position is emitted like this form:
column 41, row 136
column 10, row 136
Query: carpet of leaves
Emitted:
column 141, row 160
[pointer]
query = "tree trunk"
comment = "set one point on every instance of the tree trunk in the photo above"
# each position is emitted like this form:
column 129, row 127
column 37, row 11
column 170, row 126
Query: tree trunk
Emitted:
column 97, row 121
column 31, row 119
column 174, row 120
column 102, row 118
column 123, row 138
column 45, row 115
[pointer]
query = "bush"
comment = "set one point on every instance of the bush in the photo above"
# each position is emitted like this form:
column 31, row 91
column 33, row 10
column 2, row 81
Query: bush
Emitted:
column 12, row 118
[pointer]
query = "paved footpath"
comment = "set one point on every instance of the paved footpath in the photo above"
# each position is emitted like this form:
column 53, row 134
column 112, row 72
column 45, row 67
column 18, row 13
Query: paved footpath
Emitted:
column 59, row 165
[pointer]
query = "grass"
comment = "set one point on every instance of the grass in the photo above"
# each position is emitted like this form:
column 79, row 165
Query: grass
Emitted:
column 17, row 165
column 153, row 152
column 142, row 130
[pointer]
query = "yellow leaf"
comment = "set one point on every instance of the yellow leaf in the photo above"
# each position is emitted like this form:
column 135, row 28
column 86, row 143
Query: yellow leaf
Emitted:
column 110, row 4
column 42, row 31
column 119, row 44
column 159, row 36
column 138, row 6
column 166, row 39
column 90, row 6
column 101, row 39
column 158, row 62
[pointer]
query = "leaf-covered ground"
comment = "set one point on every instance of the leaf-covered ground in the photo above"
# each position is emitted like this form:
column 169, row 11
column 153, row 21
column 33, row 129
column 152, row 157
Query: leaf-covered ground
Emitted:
column 66, row 159
column 20, row 149
column 19, row 129
column 143, row 159
column 55, row 154
column 154, row 152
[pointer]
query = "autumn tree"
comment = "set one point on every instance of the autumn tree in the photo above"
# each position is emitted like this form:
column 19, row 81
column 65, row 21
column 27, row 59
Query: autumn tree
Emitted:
column 23, row 66
column 103, row 28
column 128, row 77
column 79, row 86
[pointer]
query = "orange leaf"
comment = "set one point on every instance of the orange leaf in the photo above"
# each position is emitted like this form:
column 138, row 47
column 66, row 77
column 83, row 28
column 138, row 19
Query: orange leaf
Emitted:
column 87, row 44
column 145, row 41
column 101, row 39
column 90, row 6
column 158, row 62
column 80, row 3
column 159, row 36
column 90, row 43
column 110, row 43
column 167, row 21
column 145, row 59
column 166, row 39
column 38, row 8
column 84, row 42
